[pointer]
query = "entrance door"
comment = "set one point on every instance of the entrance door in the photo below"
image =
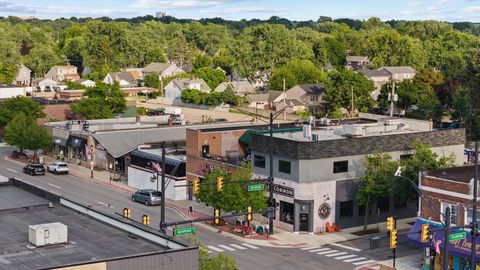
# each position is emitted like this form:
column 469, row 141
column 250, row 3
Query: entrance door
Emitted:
column 303, row 222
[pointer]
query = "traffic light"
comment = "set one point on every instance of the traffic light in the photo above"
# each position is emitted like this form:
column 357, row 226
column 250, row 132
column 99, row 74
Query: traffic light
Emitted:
column 390, row 224
column 424, row 233
column 126, row 213
column 196, row 185
column 249, row 213
column 220, row 183
column 393, row 238
column 216, row 213
column 146, row 220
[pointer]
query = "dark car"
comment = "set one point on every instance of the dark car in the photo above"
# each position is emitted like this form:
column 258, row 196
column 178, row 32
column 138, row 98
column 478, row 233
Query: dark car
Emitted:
column 220, row 120
column 147, row 196
column 157, row 112
column 34, row 169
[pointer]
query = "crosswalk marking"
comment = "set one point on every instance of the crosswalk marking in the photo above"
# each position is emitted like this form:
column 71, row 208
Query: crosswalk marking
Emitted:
column 335, row 254
column 237, row 246
column 355, row 259
column 215, row 249
column 345, row 257
column 250, row 246
column 364, row 262
column 346, row 247
column 317, row 250
column 308, row 248
column 327, row 252
column 226, row 247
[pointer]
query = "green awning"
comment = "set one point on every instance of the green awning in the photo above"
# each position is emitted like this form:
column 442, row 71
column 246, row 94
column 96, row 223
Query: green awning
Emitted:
column 246, row 138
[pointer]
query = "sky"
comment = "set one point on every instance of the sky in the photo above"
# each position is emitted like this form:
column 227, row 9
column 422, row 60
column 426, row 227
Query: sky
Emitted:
column 443, row 10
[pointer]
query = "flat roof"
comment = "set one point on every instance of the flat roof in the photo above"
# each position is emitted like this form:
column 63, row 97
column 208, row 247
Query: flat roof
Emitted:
column 462, row 174
column 88, row 239
column 12, row 198
column 252, row 126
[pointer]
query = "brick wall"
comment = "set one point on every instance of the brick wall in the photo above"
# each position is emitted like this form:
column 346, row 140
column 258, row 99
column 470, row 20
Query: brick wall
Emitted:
column 356, row 146
column 436, row 199
column 452, row 186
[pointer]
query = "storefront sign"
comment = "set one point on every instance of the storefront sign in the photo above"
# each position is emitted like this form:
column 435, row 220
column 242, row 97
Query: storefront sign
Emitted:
column 324, row 210
column 282, row 190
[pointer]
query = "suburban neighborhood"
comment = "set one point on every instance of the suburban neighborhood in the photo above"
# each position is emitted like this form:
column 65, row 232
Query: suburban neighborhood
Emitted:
column 157, row 142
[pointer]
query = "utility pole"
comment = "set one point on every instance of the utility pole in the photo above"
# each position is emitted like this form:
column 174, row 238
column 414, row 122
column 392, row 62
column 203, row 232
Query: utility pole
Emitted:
column 474, row 214
column 391, row 99
column 284, row 102
column 162, row 214
column 351, row 87
column 270, row 177
column 446, row 242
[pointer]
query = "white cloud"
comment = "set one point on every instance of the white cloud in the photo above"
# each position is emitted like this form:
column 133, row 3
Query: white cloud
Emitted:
column 472, row 10
column 241, row 10
column 180, row 4
column 433, row 9
column 415, row 4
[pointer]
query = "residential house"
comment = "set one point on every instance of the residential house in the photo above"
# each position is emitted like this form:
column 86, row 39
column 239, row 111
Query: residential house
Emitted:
column 23, row 76
column 357, row 62
column 162, row 69
column 124, row 78
column 400, row 73
column 174, row 89
column 258, row 101
column 42, row 83
column 316, row 171
column 310, row 95
column 137, row 73
column 86, row 83
column 453, row 188
column 62, row 73
column 378, row 77
column 241, row 88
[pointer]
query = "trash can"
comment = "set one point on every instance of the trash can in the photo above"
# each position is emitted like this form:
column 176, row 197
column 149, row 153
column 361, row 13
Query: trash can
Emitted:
column 375, row 242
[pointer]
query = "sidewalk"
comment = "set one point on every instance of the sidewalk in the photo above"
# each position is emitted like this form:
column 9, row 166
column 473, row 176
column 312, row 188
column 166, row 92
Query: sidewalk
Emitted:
column 280, row 238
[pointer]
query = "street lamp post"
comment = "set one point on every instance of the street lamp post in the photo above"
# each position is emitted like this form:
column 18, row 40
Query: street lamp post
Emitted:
column 110, row 171
column 91, row 161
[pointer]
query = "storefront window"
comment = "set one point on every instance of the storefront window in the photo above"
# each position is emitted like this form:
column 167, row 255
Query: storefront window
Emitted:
column 284, row 166
column 346, row 209
column 470, row 216
column 340, row 166
column 453, row 213
column 286, row 212
column 259, row 161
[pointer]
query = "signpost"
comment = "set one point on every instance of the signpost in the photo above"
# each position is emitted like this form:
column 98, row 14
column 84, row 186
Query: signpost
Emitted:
column 256, row 187
column 457, row 236
column 184, row 231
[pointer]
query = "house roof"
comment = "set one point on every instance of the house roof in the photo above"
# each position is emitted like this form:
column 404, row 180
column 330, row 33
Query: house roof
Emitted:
column 123, row 75
column 119, row 143
column 258, row 97
column 294, row 102
column 374, row 73
column 184, row 83
column 187, row 67
column 156, row 67
column 273, row 94
column 463, row 174
column 239, row 87
column 70, row 66
column 399, row 70
column 313, row 88
column 357, row 58
column 22, row 66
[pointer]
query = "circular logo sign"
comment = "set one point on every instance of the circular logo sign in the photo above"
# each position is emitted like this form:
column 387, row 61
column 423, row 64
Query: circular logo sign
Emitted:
column 324, row 210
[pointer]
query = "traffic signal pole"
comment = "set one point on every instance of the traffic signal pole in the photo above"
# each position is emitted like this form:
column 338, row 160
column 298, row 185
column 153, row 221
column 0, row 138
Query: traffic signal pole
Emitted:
column 395, row 249
column 473, row 263
column 446, row 242
column 270, row 177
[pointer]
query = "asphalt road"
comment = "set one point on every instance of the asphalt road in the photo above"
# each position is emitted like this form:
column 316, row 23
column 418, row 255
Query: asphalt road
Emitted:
column 247, row 256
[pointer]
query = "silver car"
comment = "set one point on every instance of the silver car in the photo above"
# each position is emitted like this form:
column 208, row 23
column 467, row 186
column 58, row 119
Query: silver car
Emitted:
column 58, row 167
column 147, row 196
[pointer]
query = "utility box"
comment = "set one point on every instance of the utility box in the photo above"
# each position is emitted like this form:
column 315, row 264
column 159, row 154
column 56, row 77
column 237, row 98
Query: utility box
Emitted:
column 47, row 234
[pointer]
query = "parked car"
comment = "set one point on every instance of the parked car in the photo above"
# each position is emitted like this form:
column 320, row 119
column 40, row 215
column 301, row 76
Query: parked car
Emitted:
column 220, row 120
column 57, row 167
column 34, row 169
column 48, row 88
column 177, row 121
column 147, row 196
column 156, row 112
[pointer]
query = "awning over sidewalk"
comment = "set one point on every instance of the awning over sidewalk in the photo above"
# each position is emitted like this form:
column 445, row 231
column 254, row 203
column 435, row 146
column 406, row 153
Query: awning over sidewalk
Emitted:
column 460, row 248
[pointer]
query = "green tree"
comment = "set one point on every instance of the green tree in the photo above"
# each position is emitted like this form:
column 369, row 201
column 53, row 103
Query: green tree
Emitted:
column 155, row 55
column 207, row 262
column 18, row 105
column 202, row 61
column 233, row 197
column 101, row 101
column 41, row 58
column 229, row 97
column 376, row 182
column 342, row 84
column 25, row 133
column 152, row 80
column 297, row 72
column 213, row 77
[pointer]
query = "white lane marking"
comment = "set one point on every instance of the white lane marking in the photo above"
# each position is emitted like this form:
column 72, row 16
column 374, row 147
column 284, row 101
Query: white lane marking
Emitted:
column 335, row 254
column 308, row 248
column 12, row 170
column 327, row 252
column 365, row 262
column 105, row 204
column 237, row 246
column 250, row 246
column 317, row 250
column 345, row 247
column 226, row 247
column 345, row 257
column 54, row 186
column 355, row 259
column 215, row 249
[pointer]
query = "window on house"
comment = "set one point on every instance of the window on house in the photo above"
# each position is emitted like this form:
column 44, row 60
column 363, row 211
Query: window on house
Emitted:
column 340, row 166
column 346, row 209
column 470, row 216
column 284, row 166
column 259, row 161
column 313, row 98
column 453, row 213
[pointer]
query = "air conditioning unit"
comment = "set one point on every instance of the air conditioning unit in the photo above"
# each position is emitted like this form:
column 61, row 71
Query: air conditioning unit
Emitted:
column 47, row 234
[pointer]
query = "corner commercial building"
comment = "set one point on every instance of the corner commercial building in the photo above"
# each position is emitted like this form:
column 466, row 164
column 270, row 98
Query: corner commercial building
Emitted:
column 316, row 172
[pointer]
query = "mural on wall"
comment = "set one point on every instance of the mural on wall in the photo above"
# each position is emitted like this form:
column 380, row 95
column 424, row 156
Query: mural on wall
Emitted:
column 324, row 210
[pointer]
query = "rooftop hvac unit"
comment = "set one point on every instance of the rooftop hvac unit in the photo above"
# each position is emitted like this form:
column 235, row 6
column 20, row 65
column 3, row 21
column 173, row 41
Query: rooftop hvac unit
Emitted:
column 353, row 130
column 47, row 234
